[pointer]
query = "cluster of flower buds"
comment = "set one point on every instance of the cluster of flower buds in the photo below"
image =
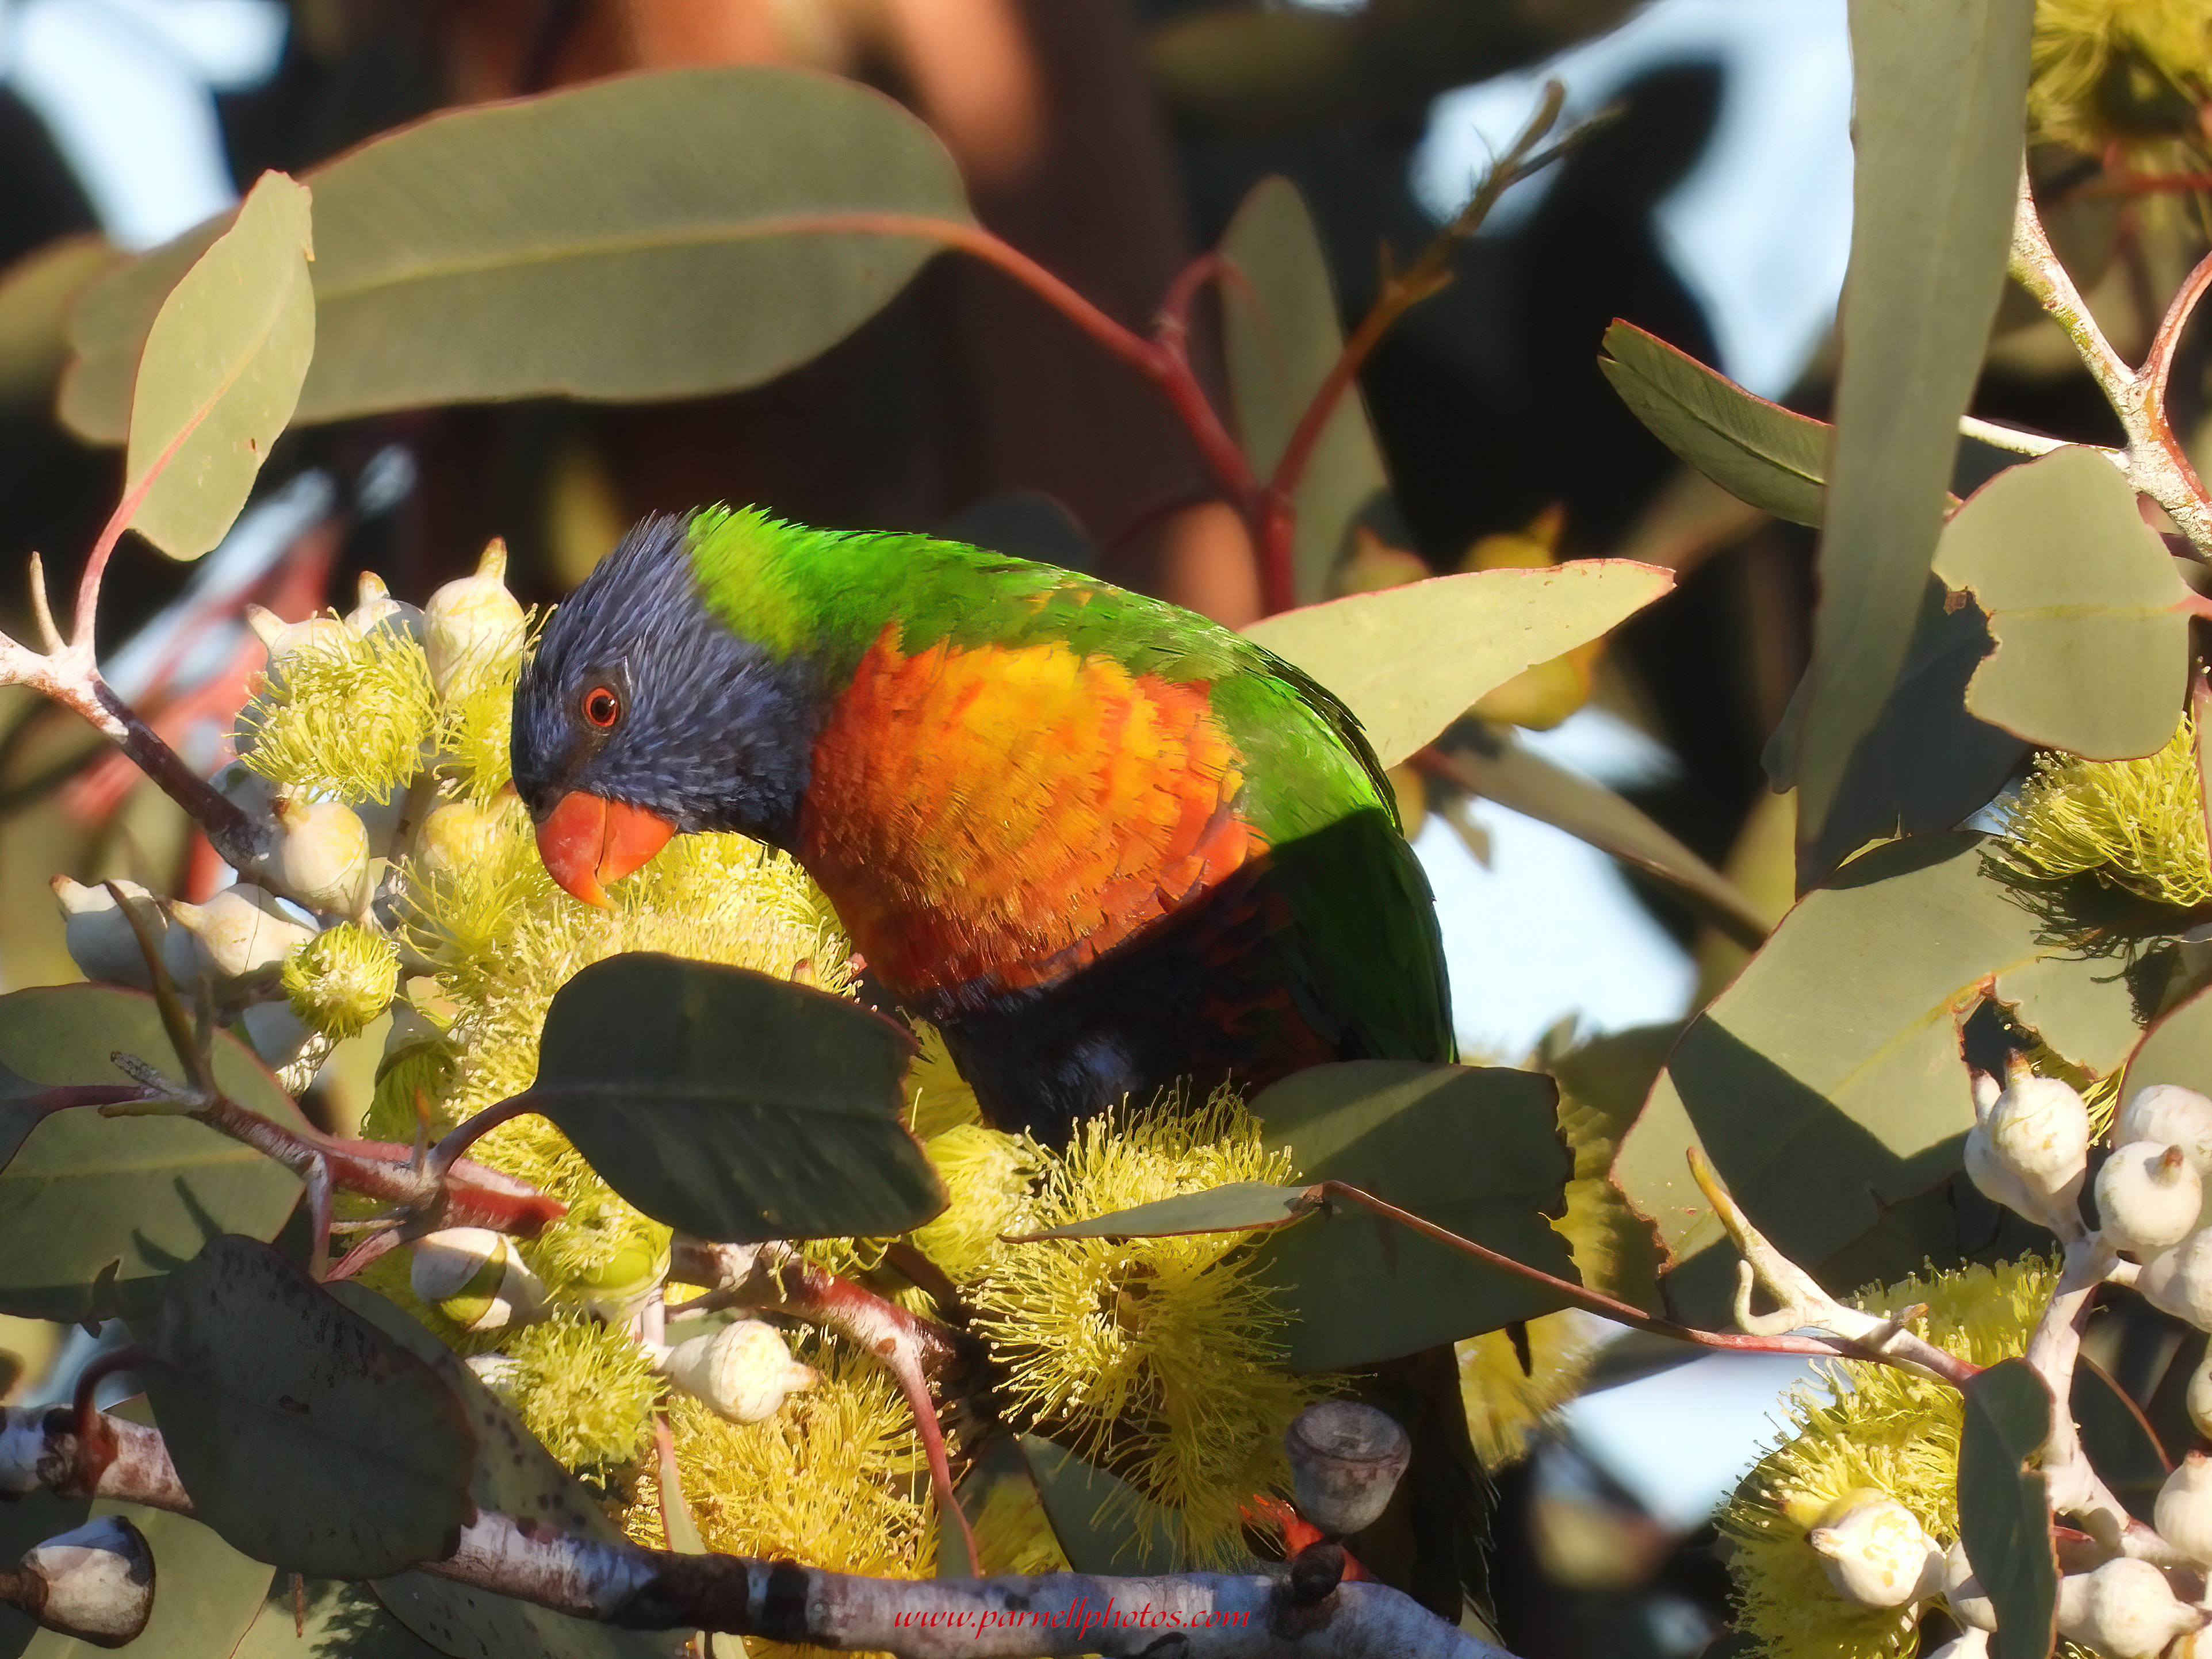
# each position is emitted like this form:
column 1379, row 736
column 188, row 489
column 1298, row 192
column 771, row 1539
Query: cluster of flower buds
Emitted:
column 742, row 1370
column 2125, row 1609
column 305, row 950
column 2150, row 1198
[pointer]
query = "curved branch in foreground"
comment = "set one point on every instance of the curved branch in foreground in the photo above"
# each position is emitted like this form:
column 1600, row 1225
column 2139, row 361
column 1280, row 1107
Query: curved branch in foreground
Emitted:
column 1204, row 1615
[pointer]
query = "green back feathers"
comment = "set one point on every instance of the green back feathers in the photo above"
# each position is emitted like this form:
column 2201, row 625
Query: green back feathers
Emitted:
column 829, row 594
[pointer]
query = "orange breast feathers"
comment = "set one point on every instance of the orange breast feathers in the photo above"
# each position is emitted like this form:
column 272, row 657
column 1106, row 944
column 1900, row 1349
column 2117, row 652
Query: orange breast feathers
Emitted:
column 987, row 819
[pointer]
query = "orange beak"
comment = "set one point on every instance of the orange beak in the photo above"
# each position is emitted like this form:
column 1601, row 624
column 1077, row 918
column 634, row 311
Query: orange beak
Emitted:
column 587, row 840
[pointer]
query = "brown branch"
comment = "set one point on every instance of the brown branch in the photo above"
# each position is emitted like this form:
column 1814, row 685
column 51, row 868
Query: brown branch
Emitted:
column 1203, row 1615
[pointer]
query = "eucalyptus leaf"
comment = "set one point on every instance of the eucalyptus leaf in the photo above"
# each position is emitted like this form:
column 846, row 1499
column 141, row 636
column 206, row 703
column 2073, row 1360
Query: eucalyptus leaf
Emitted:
column 1836, row 1050
column 1104, row 1525
column 341, row 1621
column 2004, row 1506
column 2092, row 651
column 256, row 1371
column 1758, row 452
column 2178, row 1047
column 220, row 373
column 513, row 1475
column 655, row 235
column 1410, row 661
column 1472, row 1149
column 36, row 293
column 1280, row 336
column 97, row 1210
column 2118, row 1440
column 1240, row 1207
column 1938, row 88
column 732, row 1105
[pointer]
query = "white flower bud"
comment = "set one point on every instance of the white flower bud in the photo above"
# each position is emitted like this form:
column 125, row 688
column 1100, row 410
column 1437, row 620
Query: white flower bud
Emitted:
column 2037, row 1132
column 284, row 639
column 475, row 1278
column 472, row 622
column 321, row 854
column 94, row 1582
column 2172, row 1116
column 2200, row 1397
column 1876, row 1553
column 457, row 835
column 275, row 1033
column 1972, row 1642
column 2180, row 1280
column 2125, row 1609
column 1962, row 1589
column 2183, row 1515
column 2147, row 1197
column 743, row 1370
column 376, row 607
column 238, row 930
column 99, row 936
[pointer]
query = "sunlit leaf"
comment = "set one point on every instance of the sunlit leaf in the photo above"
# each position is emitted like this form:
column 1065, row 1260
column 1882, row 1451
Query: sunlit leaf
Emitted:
column 1237, row 1208
column 255, row 1368
column 1410, row 661
column 650, row 236
column 732, row 1105
column 220, row 373
column 1281, row 337
column 2091, row 652
column 1938, row 88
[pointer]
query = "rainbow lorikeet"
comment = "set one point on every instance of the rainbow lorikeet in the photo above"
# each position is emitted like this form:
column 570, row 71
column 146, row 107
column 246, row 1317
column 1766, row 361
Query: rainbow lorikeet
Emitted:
column 1100, row 842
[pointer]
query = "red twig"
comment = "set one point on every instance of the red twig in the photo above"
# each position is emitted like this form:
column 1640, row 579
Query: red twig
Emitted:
column 2158, row 367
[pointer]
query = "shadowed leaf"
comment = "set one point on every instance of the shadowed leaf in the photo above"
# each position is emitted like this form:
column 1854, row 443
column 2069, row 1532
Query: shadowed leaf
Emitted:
column 2004, row 1507
column 1104, row 1525
column 139, row 1194
column 1938, row 86
column 256, row 1370
column 1758, row 452
column 2091, row 652
column 1836, row 1050
column 641, row 237
column 1280, row 335
column 1410, row 661
column 2118, row 1440
column 515, row 1475
column 342, row 1621
column 221, row 372
column 35, row 294
column 734, row 1106
column 1237, row 1208
column 1472, row 1149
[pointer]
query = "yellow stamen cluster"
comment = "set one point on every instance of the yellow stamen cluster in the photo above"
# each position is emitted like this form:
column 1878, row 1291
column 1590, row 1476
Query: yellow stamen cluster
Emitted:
column 1871, row 1428
column 2137, row 823
column 1163, row 1351
column 348, row 716
column 583, row 1388
column 2130, row 72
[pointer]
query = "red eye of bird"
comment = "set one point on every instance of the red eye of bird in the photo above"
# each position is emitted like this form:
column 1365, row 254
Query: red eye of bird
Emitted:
column 601, row 706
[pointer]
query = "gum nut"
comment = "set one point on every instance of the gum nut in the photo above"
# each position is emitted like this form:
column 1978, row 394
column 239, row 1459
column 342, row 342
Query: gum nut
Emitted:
column 2147, row 1197
column 375, row 607
column 474, row 619
column 2127, row 1610
column 457, row 835
column 240, row 930
column 1879, row 1555
column 1346, row 1460
column 95, row 1582
column 321, row 855
column 2180, row 1280
column 2172, row 1116
column 2040, row 1129
column 99, row 936
column 275, row 1033
column 475, row 1278
column 2200, row 1397
column 743, row 1370
column 1993, row 1178
column 1970, row 1604
column 284, row 639
column 2183, row 1515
